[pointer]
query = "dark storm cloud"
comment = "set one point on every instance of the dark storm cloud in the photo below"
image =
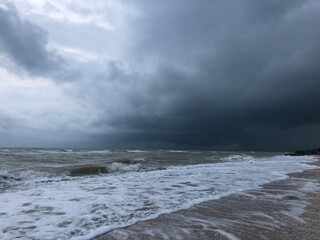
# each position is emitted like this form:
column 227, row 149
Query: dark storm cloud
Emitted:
column 26, row 45
column 182, row 74
column 227, row 73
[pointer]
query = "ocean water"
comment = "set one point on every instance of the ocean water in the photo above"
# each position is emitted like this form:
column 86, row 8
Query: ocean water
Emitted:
column 80, row 193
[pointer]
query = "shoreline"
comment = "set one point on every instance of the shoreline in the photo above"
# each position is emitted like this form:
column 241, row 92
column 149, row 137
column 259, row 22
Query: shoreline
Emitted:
column 283, row 209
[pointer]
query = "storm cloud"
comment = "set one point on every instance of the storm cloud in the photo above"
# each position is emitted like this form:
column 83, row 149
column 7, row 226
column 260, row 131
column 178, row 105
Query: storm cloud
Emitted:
column 226, row 73
column 241, row 75
column 26, row 44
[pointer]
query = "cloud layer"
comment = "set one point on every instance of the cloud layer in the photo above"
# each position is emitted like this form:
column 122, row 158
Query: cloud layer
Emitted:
column 210, row 74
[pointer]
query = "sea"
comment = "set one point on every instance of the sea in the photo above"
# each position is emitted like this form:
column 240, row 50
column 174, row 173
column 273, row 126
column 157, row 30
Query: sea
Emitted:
column 81, row 193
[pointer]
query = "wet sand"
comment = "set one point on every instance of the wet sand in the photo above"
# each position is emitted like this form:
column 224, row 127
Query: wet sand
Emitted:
column 284, row 209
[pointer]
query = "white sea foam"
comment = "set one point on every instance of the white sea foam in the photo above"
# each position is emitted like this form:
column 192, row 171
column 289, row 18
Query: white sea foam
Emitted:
column 177, row 151
column 136, row 151
column 239, row 157
column 139, row 160
column 100, row 151
column 227, row 235
column 4, row 171
column 83, row 207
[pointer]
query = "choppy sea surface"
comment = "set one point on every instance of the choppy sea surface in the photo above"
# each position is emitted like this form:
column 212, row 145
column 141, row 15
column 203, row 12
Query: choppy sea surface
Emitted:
column 80, row 193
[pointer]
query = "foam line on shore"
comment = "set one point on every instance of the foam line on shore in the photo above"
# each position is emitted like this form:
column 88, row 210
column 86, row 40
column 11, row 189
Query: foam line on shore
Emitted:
column 284, row 209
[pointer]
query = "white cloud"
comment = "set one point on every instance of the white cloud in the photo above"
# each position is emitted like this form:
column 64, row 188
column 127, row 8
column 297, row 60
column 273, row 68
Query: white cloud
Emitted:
column 108, row 15
column 77, row 54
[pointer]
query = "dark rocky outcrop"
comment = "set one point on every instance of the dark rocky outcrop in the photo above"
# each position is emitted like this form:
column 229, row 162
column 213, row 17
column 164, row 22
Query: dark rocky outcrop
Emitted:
column 305, row 152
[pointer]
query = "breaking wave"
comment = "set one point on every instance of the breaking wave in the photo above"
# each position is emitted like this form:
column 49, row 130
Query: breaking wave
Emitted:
column 136, row 151
column 82, row 207
column 239, row 157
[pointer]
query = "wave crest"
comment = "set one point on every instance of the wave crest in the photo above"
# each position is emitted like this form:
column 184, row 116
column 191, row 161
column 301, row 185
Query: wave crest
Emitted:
column 121, row 167
column 88, row 170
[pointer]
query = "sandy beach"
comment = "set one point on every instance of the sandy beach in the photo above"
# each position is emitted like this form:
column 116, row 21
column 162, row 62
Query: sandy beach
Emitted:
column 284, row 209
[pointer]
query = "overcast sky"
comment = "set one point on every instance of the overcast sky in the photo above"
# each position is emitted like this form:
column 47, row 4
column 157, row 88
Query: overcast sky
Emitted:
column 212, row 74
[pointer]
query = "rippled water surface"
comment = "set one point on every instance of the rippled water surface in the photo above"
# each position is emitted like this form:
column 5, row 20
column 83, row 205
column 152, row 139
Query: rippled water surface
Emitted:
column 77, row 194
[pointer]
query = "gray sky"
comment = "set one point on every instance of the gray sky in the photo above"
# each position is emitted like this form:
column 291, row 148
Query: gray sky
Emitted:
column 240, row 75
